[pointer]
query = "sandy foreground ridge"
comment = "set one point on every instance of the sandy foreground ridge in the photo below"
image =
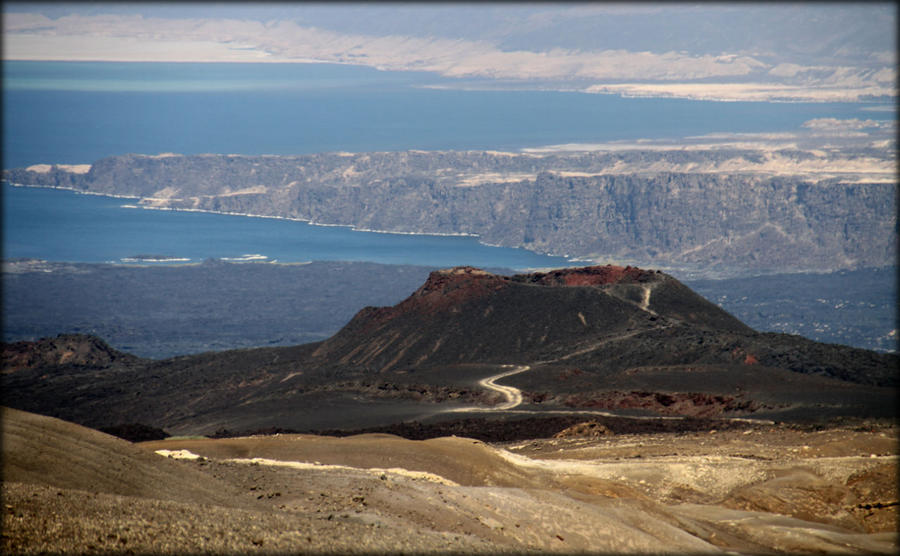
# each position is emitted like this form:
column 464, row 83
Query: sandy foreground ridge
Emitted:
column 761, row 489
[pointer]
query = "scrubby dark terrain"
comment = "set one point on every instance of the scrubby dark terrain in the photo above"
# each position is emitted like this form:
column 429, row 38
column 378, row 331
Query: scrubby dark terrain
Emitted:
column 851, row 307
column 163, row 311
column 574, row 341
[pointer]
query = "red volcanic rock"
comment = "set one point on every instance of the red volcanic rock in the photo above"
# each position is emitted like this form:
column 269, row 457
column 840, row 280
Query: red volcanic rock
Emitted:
column 444, row 290
column 590, row 276
column 748, row 358
column 449, row 289
column 452, row 287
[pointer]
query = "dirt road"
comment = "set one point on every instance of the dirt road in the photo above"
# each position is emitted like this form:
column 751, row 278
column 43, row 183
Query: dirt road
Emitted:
column 512, row 394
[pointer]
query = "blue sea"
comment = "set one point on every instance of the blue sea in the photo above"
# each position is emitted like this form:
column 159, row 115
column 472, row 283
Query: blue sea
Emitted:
column 59, row 225
column 77, row 113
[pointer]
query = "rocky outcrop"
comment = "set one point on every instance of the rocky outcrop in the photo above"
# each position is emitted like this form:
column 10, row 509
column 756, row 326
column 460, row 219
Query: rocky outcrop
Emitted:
column 445, row 290
column 695, row 404
column 75, row 350
column 589, row 429
column 589, row 276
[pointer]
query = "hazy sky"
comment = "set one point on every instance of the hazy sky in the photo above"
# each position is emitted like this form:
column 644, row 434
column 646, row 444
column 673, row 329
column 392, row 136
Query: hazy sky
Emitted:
column 829, row 51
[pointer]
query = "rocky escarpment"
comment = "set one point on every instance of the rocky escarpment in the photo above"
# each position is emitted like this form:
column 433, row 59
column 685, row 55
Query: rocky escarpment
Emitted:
column 726, row 212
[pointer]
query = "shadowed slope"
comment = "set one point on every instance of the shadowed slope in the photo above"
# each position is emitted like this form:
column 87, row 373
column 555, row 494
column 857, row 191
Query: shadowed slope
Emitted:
column 464, row 315
column 47, row 451
column 612, row 337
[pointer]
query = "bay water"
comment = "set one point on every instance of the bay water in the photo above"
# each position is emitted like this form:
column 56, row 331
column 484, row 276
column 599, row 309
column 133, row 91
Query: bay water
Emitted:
column 60, row 225
column 77, row 113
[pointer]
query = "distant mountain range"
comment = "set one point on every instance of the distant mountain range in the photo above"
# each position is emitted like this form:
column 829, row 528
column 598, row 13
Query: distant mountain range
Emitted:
column 596, row 339
column 713, row 212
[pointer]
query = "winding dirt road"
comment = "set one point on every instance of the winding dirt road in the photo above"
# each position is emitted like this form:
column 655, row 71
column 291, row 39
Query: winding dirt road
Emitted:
column 512, row 394
column 514, row 399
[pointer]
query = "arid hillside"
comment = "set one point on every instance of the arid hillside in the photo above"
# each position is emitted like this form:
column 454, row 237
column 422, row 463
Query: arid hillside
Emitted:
column 759, row 489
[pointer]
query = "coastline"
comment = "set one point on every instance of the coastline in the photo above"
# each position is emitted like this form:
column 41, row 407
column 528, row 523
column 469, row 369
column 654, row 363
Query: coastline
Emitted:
column 352, row 227
column 250, row 215
column 73, row 190
column 568, row 259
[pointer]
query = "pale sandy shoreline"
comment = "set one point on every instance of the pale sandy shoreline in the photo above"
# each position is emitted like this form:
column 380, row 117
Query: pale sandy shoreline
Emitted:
column 702, row 92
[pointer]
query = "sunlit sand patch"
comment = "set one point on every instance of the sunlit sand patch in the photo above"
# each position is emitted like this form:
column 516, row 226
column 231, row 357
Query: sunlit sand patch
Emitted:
column 567, row 174
column 714, row 475
column 821, row 167
column 836, row 124
column 179, row 454
column 884, row 144
column 164, row 193
column 494, row 177
column 162, row 155
column 742, row 92
column 71, row 168
column 291, row 375
column 46, row 47
column 75, row 168
column 378, row 471
column 814, row 134
column 255, row 190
